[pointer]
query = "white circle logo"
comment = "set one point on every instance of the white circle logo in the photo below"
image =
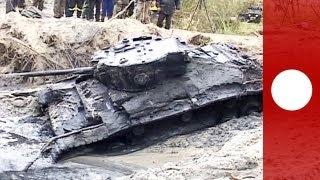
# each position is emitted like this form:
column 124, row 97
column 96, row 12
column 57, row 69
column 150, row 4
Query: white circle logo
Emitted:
column 291, row 90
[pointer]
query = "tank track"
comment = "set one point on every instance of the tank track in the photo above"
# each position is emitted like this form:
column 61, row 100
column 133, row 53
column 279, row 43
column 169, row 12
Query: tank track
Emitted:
column 106, row 132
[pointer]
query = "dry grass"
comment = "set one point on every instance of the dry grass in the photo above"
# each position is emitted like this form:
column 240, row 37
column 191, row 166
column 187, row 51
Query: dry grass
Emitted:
column 19, row 56
column 222, row 13
column 43, row 46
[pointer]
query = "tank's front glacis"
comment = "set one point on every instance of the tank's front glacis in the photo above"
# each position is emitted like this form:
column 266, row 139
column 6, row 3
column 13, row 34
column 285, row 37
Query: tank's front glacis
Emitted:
column 141, row 63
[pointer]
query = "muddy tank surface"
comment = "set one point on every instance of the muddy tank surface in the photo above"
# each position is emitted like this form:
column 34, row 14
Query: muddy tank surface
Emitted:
column 145, row 88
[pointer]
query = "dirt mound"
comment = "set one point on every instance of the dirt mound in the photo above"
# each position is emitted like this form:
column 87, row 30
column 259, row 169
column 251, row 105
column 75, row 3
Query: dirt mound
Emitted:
column 58, row 44
column 51, row 43
column 38, row 44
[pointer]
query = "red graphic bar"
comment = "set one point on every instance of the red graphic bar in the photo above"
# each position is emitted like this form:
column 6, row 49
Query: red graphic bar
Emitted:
column 292, row 41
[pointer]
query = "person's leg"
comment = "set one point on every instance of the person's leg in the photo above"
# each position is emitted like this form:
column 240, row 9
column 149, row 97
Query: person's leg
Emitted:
column 147, row 12
column 70, row 7
column 80, row 6
column 91, row 9
column 104, row 10
column 21, row 3
column 10, row 5
column 168, row 21
column 41, row 5
column 67, row 9
column 139, row 10
column 110, row 7
column 85, row 9
column 117, row 7
column 98, row 10
column 35, row 3
column 56, row 9
column 143, row 12
column 160, row 19
column 63, row 7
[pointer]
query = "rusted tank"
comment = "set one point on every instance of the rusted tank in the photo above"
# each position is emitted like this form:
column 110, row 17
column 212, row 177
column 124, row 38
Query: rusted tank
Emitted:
column 139, row 87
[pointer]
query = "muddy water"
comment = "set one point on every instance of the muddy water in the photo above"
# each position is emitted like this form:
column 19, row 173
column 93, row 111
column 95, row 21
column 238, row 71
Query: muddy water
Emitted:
column 140, row 159
column 176, row 150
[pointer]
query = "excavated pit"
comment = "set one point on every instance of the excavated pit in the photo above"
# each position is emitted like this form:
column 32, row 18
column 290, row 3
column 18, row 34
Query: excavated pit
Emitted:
column 87, row 117
column 53, row 38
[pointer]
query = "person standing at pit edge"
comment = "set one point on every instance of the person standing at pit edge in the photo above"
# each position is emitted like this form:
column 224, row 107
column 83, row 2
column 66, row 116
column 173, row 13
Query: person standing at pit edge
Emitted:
column 167, row 9
column 75, row 6
column 11, row 5
column 107, row 9
column 38, row 4
column 88, row 10
column 59, row 8
column 143, row 11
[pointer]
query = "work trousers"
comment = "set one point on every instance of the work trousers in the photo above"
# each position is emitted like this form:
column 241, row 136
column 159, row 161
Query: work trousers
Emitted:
column 75, row 6
column 107, row 8
column 59, row 8
column 12, row 4
column 162, row 17
column 38, row 4
column 143, row 11
column 88, row 11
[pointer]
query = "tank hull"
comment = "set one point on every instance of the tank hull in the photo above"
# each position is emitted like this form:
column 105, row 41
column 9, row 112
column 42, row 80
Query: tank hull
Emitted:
column 219, row 81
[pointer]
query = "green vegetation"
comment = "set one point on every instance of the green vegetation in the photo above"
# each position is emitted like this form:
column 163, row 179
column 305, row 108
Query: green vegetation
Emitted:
column 222, row 14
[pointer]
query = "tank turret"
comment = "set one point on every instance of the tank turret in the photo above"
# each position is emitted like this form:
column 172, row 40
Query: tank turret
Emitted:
column 141, row 63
